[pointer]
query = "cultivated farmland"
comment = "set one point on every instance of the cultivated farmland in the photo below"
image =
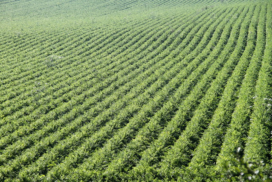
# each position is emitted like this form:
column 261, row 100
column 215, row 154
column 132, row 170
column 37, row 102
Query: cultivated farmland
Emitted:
column 134, row 90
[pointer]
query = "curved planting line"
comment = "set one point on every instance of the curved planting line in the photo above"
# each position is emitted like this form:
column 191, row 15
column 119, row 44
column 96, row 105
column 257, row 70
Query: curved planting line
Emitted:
column 237, row 130
column 51, row 71
column 129, row 63
column 171, row 109
column 88, row 142
column 206, row 153
column 96, row 45
column 67, row 48
column 166, row 61
column 105, row 63
column 181, row 154
column 257, row 149
column 138, row 51
column 154, row 153
column 129, row 129
column 64, row 72
column 118, row 69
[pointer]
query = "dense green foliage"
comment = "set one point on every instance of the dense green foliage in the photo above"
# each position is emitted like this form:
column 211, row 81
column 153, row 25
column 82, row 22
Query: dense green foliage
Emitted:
column 134, row 90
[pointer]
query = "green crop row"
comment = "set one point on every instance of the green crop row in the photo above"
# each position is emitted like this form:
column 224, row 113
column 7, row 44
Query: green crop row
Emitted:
column 181, row 92
column 258, row 146
column 238, row 126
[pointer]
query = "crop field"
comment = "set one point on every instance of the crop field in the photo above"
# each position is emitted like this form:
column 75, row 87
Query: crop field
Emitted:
column 135, row 90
